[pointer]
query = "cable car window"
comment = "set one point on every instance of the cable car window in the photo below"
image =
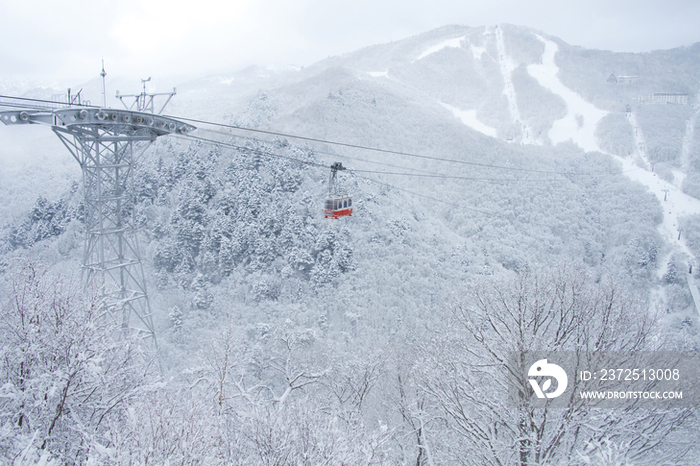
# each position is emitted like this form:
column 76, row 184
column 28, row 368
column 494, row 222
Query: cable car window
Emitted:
column 345, row 204
column 349, row 202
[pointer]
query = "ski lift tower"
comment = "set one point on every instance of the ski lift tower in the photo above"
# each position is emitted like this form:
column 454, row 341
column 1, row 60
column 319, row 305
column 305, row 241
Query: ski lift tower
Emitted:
column 108, row 144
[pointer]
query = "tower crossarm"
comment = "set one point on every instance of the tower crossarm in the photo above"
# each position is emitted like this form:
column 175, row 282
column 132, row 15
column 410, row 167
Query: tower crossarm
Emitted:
column 125, row 122
column 144, row 102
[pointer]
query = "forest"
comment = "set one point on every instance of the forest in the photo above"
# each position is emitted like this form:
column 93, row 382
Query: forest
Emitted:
column 286, row 338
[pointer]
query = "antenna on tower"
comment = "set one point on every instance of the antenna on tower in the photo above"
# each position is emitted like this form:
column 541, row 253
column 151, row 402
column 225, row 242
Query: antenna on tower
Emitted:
column 144, row 81
column 104, row 88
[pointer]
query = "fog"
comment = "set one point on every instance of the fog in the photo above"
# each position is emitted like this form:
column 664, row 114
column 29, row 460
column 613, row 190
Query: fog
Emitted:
column 58, row 43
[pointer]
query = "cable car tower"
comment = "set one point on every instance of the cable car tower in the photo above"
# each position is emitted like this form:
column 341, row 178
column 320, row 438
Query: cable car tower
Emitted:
column 108, row 144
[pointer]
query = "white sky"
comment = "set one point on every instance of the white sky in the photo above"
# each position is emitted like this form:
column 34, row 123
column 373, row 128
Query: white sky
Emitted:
column 65, row 40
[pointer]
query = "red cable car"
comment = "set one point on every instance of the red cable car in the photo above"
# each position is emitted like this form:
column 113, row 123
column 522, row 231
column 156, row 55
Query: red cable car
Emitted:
column 336, row 205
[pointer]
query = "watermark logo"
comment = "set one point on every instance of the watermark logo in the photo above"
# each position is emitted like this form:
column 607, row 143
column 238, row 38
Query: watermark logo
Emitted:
column 544, row 369
column 604, row 379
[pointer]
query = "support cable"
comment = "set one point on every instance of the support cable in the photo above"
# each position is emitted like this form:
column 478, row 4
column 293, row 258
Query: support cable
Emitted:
column 421, row 175
column 356, row 146
column 355, row 172
column 376, row 149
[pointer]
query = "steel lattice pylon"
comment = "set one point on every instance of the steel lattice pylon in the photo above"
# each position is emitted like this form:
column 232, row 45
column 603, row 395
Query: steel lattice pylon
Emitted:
column 108, row 145
column 111, row 256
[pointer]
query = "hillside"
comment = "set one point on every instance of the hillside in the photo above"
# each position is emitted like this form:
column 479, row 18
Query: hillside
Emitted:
column 507, row 160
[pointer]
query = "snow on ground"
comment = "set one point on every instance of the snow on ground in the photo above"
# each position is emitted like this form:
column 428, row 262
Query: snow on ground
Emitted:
column 468, row 117
column 379, row 74
column 678, row 178
column 477, row 51
column 507, row 66
column 639, row 140
column 456, row 43
column 582, row 119
column 688, row 137
column 677, row 203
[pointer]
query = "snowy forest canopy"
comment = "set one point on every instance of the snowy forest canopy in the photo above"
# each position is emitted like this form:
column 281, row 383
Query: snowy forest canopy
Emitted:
column 287, row 338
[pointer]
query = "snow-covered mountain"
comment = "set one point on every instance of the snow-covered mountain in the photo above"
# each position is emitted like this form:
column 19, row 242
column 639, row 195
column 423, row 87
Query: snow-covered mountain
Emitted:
column 511, row 105
column 519, row 84
column 505, row 152
column 506, row 82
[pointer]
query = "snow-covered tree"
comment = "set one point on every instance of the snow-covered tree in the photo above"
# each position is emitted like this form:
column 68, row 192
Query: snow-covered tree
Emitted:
column 64, row 375
column 467, row 372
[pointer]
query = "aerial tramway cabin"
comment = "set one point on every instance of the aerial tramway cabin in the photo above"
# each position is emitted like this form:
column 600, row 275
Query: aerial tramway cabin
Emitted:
column 340, row 206
column 336, row 205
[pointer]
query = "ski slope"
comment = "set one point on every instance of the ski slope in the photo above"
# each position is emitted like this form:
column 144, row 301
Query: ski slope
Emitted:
column 455, row 43
column 580, row 124
column 582, row 117
column 468, row 117
column 688, row 137
column 676, row 205
column 506, row 65
column 582, row 132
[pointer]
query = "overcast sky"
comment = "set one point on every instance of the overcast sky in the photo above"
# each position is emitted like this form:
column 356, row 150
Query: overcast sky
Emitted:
column 61, row 41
